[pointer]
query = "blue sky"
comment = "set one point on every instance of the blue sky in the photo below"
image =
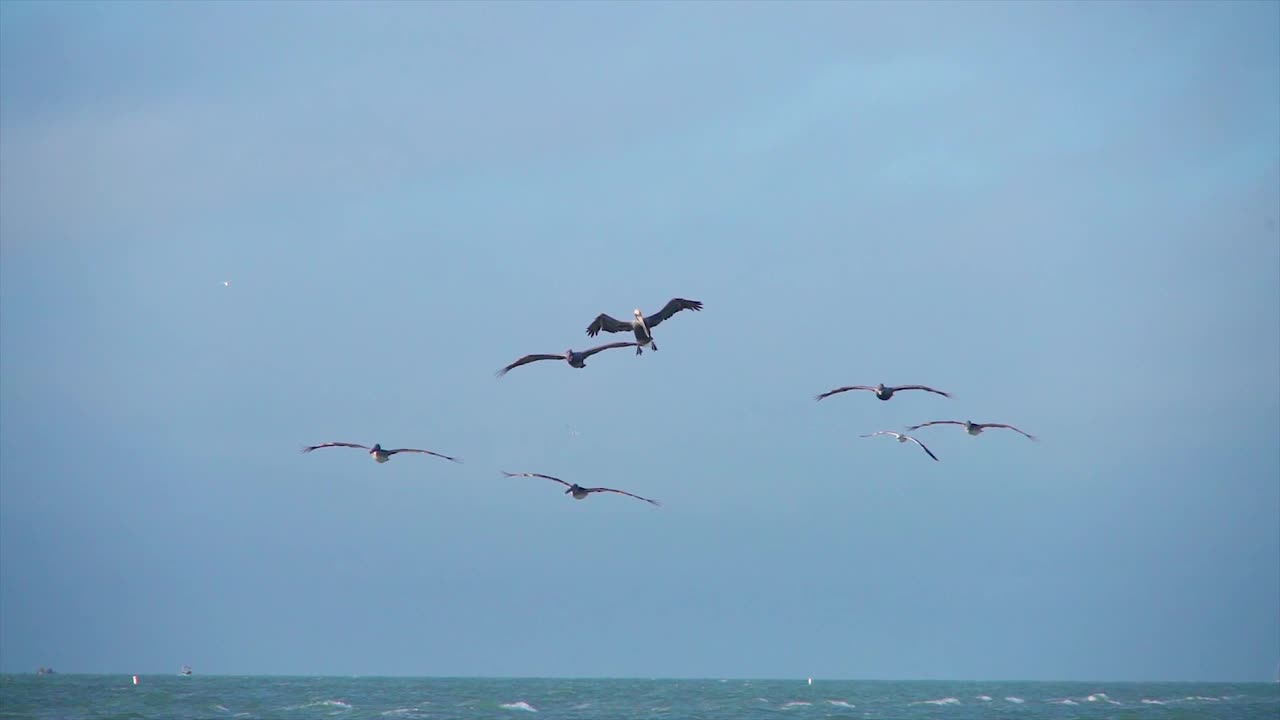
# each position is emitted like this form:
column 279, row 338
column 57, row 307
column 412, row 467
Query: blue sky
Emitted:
column 1064, row 214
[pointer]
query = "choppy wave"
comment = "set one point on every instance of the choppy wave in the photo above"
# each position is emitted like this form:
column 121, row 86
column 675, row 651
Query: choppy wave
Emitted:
column 1017, row 700
column 520, row 705
column 841, row 703
column 984, row 698
column 940, row 701
column 795, row 703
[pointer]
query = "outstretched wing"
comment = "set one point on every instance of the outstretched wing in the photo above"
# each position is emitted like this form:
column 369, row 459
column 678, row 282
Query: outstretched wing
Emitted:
column 536, row 475
column 424, row 452
column 922, row 447
column 623, row 492
column 1002, row 425
column 332, row 444
column 588, row 353
column 934, row 422
column 607, row 324
column 846, row 388
column 526, row 360
column 882, row 432
column 673, row 306
column 920, row 387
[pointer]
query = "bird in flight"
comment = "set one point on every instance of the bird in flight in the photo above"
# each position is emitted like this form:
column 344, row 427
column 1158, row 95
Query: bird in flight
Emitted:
column 902, row 438
column 377, row 452
column 972, row 428
column 642, row 327
column 573, row 357
column 577, row 490
column 882, row 391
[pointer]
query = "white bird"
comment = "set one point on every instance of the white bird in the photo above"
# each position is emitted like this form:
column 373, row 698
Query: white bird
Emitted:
column 902, row 438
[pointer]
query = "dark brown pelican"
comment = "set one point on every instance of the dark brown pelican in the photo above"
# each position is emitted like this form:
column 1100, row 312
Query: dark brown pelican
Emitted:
column 902, row 438
column 972, row 428
column 571, row 356
column 577, row 490
column 377, row 452
column 881, row 391
column 642, row 326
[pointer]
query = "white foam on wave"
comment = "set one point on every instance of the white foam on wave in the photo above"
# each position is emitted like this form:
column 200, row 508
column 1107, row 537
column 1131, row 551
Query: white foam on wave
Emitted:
column 322, row 703
column 521, row 705
column 795, row 703
column 1201, row 698
column 984, row 698
column 841, row 703
column 941, row 701
column 403, row 712
column 1146, row 701
column 1017, row 700
column 1063, row 701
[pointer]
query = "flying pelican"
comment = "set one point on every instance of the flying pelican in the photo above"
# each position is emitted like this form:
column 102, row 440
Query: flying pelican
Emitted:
column 571, row 356
column 377, row 452
column 642, row 326
column 881, row 391
column 902, row 438
column 577, row 490
column 970, row 427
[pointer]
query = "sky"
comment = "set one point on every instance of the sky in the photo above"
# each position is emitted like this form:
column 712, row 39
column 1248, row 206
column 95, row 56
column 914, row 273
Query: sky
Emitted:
column 1064, row 214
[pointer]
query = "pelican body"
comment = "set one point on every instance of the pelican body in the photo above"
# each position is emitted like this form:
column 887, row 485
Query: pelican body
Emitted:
column 378, row 454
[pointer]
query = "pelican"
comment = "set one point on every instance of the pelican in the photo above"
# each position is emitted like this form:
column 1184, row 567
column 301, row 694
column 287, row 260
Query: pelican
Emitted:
column 577, row 490
column 902, row 438
column 642, row 326
column 571, row 356
column 972, row 428
column 377, row 452
column 882, row 391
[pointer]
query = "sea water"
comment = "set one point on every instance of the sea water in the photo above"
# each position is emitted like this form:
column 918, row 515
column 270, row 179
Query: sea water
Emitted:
column 174, row 697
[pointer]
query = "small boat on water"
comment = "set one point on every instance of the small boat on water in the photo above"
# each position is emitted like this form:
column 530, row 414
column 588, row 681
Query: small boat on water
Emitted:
column 45, row 671
column 186, row 669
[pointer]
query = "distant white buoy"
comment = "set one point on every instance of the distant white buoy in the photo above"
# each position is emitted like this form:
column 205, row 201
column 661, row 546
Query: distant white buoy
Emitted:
column 810, row 681
column 135, row 679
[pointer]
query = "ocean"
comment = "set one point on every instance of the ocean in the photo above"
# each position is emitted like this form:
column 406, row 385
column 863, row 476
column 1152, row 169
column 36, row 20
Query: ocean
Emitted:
column 175, row 697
